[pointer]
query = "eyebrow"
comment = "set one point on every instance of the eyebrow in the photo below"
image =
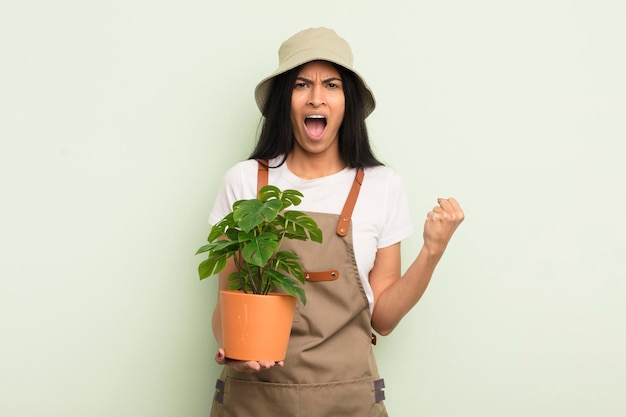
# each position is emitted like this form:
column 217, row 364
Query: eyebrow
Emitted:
column 326, row 81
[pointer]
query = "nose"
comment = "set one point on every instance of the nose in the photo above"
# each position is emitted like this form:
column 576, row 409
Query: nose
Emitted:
column 316, row 98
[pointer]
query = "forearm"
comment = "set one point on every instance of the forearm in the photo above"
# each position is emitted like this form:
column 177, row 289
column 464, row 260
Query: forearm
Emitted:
column 394, row 296
column 397, row 299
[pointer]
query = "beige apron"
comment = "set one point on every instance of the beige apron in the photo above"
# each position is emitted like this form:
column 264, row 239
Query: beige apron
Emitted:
column 330, row 368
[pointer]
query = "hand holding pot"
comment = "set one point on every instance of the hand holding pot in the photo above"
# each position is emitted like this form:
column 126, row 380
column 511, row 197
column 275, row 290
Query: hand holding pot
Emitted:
column 249, row 367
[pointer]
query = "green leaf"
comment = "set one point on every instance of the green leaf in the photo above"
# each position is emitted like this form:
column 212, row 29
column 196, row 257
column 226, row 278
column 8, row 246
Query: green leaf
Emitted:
column 225, row 246
column 251, row 213
column 291, row 198
column 290, row 263
column 301, row 221
column 205, row 248
column 219, row 229
column 212, row 265
column 259, row 249
column 269, row 192
column 235, row 281
column 286, row 197
column 286, row 284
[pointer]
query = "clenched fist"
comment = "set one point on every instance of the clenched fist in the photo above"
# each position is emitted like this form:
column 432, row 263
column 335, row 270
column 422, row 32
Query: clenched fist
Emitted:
column 440, row 224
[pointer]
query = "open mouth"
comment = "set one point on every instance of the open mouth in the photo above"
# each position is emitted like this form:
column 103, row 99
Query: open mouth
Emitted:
column 315, row 126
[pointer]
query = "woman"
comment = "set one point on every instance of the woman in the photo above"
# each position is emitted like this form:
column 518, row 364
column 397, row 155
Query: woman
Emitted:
column 314, row 139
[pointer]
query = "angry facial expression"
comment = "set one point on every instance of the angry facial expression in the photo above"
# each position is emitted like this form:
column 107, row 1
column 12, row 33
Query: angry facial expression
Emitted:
column 317, row 107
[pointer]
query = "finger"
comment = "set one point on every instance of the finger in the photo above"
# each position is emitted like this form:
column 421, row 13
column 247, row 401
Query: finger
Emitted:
column 457, row 211
column 220, row 357
column 269, row 364
column 445, row 204
column 452, row 207
column 450, row 202
column 455, row 204
column 248, row 366
column 241, row 366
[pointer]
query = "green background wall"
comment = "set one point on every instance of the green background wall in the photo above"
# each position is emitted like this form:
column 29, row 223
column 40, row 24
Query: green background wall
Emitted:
column 118, row 118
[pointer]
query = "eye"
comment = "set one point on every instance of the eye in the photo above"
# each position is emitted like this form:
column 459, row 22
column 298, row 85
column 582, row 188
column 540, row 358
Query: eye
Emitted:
column 300, row 85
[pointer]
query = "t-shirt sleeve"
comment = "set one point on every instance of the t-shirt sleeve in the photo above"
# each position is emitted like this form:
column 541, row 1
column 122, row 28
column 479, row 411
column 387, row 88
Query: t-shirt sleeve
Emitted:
column 399, row 224
column 238, row 183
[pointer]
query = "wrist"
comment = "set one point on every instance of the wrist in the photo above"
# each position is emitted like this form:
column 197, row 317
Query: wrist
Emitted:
column 433, row 252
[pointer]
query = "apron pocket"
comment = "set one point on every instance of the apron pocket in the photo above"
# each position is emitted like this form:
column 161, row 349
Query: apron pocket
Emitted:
column 243, row 398
column 346, row 398
column 251, row 398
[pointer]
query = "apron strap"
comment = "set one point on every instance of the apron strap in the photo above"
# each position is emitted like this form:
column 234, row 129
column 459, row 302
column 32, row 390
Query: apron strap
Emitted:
column 346, row 214
column 262, row 175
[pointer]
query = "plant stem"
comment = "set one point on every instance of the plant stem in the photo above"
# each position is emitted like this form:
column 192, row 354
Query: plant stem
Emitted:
column 237, row 260
column 252, row 280
column 266, row 285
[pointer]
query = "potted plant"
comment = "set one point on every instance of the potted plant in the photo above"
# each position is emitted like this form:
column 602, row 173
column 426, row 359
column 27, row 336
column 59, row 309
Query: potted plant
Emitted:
column 252, row 234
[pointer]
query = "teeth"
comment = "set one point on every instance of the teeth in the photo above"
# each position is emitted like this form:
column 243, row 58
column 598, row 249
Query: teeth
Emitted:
column 316, row 116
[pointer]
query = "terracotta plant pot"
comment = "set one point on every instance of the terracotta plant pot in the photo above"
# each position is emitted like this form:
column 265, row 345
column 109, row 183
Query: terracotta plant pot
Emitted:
column 256, row 327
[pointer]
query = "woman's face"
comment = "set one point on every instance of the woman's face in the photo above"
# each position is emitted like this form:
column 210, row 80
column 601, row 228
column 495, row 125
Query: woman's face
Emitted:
column 317, row 107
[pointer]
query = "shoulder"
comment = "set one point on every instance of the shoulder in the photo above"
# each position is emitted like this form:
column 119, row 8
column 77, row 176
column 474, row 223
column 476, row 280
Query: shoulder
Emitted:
column 382, row 176
column 241, row 171
column 241, row 178
column 383, row 192
column 238, row 183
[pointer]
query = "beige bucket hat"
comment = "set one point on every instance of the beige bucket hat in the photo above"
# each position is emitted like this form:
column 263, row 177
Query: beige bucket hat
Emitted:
column 311, row 45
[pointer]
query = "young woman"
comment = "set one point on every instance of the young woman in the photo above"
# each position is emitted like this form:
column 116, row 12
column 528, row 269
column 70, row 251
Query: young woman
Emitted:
column 314, row 139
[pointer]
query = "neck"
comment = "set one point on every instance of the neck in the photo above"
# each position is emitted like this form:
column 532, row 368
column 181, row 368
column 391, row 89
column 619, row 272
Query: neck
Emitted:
column 311, row 166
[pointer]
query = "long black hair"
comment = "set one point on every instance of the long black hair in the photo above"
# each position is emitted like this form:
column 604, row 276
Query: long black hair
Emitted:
column 276, row 137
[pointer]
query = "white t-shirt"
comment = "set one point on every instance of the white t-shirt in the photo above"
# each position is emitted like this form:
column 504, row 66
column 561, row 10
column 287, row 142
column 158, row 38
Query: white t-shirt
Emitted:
column 381, row 216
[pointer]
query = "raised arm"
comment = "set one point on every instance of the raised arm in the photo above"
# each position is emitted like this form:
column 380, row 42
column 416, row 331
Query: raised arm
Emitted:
column 395, row 294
